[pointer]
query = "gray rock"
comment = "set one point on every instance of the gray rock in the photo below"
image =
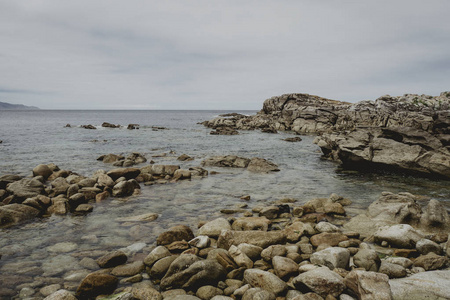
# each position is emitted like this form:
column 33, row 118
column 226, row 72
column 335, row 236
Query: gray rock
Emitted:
column 321, row 280
column 123, row 189
column 207, row 292
column 369, row 285
column 201, row 241
column 252, row 251
column 254, row 237
column 392, row 270
column 145, row 290
column 112, row 259
column 61, row 295
column 402, row 235
column 12, row 214
column 240, row 258
column 260, row 165
column 42, row 170
column 187, row 271
column 156, row 254
column 258, row 293
column 326, row 227
column 367, row 259
column 160, row 267
column 214, row 228
column 333, row 257
column 251, row 223
column 96, row 284
column 431, row 261
column 427, row 285
column 265, row 280
column 435, row 215
column 26, row 188
column 425, row 246
column 401, row 261
column 284, row 267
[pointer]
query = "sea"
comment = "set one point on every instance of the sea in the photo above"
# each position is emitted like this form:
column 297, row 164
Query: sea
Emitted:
column 37, row 137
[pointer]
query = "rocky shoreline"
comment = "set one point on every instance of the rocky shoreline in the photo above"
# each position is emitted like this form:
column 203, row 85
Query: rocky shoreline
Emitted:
column 281, row 251
column 410, row 133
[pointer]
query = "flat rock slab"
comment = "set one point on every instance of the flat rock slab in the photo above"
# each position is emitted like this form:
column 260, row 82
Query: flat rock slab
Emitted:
column 433, row 285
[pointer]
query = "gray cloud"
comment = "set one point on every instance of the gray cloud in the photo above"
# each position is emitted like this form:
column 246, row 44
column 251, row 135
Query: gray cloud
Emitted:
column 218, row 55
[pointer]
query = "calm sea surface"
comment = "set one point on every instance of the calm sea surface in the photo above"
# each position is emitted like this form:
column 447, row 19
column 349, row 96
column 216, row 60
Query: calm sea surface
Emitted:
column 34, row 137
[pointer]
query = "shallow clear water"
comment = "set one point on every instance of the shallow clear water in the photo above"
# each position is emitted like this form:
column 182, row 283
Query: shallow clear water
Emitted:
column 34, row 137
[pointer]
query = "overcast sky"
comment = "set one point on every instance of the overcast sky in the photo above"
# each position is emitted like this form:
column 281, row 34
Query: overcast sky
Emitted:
column 86, row 54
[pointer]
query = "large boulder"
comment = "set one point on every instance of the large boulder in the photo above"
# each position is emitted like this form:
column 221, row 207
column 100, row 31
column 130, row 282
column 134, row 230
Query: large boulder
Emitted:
column 402, row 235
column 174, row 234
column 426, row 285
column 333, row 257
column 214, row 228
column 96, row 284
column 190, row 272
column 320, row 280
column 12, row 214
column 6, row 179
column 42, row 170
column 264, row 280
column 369, row 285
column 26, row 188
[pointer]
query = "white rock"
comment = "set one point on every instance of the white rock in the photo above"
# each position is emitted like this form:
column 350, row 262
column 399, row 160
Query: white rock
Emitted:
column 333, row 257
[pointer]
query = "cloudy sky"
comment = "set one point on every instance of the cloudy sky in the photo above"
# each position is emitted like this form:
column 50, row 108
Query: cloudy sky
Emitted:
column 108, row 54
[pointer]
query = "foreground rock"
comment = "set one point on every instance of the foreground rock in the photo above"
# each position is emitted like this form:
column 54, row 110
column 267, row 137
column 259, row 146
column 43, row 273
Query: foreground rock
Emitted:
column 426, row 285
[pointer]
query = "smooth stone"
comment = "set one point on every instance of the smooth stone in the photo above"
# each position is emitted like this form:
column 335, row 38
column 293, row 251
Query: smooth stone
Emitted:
column 332, row 258
column 264, row 280
column 425, row 246
column 401, row 235
column 214, row 228
column 431, row 285
column 96, row 284
column 369, row 285
column 112, row 259
column 207, row 292
column 160, row 267
column 128, row 269
column 258, row 294
column 49, row 289
column 156, row 254
column 175, row 233
column 326, row 227
column 328, row 238
column 145, row 290
column 392, row 270
column 148, row 217
column 284, row 267
column 321, row 280
column 252, row 251
column 251, row 223
column 63, row 247
column 61, row 295
column 367, row 259
column 254, row 237
column 275, row 250
column 431, row 261
column 240, row 258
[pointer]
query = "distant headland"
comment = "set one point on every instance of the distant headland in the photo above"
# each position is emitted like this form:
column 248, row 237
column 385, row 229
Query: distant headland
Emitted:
column 9, row 106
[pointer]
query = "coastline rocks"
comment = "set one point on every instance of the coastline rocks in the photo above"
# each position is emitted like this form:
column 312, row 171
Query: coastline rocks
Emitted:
column 174, row 234
column 260, row 165
column 109, row 125
column 112, row 259
column 406, row 133
column 224, row 131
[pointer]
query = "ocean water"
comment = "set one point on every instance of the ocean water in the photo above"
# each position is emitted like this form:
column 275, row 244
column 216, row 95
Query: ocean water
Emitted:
column 34, row 137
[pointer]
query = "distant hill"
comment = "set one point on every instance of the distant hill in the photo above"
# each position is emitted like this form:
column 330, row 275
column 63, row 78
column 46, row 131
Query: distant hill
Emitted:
column 9, row 106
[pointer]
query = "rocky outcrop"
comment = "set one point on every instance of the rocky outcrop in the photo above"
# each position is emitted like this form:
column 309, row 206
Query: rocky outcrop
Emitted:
column 409, row 133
